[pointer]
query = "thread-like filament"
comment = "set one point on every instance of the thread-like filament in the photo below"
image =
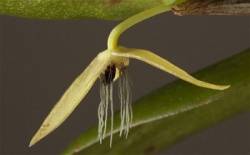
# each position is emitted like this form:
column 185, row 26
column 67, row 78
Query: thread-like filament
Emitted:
column 126, row 114
column 106, row 95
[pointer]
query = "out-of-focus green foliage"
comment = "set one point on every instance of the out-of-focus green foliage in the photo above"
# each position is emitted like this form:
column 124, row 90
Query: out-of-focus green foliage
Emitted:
column 176, row 111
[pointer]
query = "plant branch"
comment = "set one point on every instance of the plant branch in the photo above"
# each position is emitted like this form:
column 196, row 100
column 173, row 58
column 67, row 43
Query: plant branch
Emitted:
column 116, row 9
column 213, row 7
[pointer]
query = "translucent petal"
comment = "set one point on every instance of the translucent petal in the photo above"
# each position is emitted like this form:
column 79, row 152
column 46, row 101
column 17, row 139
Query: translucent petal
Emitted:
column 73, row 96
column 165, row 65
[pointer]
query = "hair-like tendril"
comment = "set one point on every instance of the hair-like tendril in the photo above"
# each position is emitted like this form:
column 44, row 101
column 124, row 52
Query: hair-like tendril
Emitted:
column 106, row 103
column 125, row 96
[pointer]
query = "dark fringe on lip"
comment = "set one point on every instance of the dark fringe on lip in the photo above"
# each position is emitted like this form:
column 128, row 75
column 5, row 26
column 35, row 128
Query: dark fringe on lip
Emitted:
column 106, row 105
column 109, row 74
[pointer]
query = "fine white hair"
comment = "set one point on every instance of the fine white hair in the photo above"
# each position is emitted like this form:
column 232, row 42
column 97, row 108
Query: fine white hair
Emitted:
column 106, row 96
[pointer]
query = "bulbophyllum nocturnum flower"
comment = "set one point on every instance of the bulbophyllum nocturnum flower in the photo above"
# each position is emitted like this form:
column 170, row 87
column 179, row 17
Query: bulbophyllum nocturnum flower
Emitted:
column 110, row 66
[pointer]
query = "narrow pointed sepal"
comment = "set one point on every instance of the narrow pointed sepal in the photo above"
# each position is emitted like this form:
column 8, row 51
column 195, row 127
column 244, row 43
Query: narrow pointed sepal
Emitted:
column 166, row 66
column 73, row 96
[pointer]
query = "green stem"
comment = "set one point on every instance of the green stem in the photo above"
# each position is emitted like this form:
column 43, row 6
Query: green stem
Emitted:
column 116, row 9
column 176, row 111
column 76, row 9
column 126, row 24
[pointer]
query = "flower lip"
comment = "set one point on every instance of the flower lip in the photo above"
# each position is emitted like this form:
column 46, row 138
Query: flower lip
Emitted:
column 109, row 74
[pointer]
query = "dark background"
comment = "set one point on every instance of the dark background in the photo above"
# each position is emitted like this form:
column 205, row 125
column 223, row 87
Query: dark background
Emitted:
column 39, row 59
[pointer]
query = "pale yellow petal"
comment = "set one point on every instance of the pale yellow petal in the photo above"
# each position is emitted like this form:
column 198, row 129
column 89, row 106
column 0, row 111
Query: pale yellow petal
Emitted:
column 165, row 65
column 73, row 96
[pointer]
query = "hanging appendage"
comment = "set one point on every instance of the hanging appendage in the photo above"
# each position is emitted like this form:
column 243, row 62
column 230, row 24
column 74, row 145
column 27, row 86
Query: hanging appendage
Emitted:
column 125, row 96
column 106, row 95
column 107, row 80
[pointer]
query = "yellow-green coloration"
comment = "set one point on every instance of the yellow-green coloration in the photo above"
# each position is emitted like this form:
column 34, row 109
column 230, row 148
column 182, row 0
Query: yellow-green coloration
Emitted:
column 120, row 57
column 78, row 9
column 164, row 65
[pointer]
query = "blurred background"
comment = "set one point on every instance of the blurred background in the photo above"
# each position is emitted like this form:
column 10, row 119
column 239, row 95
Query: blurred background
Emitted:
column 40, row 58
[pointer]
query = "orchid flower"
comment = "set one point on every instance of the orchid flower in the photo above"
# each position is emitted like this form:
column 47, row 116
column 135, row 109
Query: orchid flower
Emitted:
column 110, row 66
